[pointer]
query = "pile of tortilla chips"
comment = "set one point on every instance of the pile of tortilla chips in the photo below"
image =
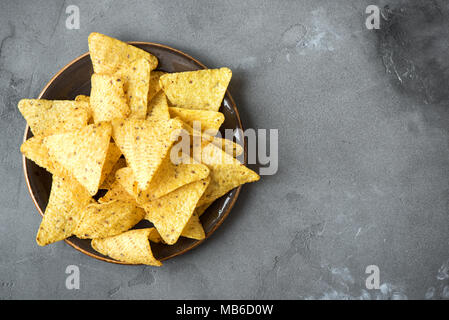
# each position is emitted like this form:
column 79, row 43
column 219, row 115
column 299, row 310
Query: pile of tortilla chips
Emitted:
column 121, row 140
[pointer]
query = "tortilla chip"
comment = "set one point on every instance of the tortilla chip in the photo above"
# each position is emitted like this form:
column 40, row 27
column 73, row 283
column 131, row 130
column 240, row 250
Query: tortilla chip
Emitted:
column 63, row 211
column 226, row 173
column 82, row 153
column 109, row 54
column 210, row 120
column 154, row 87
column 112, row 156
column 199, row 210
column 144, row 144
column 137, row 78
column 86, row 99
column 230, row 147
column 131, row 247
column 107, row 98
column 35, row 150
column 117, row 192
column 158, row 108
column 108, row 219
column 202, row 89
column 170, row 213
column 194, row 229
column 46, row 117
column 110, row 178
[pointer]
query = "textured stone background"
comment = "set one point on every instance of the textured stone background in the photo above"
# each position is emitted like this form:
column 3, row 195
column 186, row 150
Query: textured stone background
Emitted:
column 363, row 124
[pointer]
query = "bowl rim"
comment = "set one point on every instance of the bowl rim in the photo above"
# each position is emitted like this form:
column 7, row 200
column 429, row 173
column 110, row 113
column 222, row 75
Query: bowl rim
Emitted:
column 194, row 244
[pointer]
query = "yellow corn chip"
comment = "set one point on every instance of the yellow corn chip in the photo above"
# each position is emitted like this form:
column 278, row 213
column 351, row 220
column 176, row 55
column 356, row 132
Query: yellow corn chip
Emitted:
column 203, row 89
column 112, row 156
column 154, row 87
column 131, row 247
column 170, row 213
column 117, row 192
column 86, row 99
column 226, row 145
column 201, row 209
column 108, row 219
column 35, row 150
column 109, row 54
column 63, row 211
column 82, row 153
column 194, row 228
column 158, row 107
column 210, row 120
column 110, row 178
column 167, row 178
column 145, row 144
column 226, row 173
column 46, row 117
column 137, row 79
column 107, row 98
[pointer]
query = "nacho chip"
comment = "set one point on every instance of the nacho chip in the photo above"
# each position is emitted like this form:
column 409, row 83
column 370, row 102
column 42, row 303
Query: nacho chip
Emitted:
column 108, row 219
column 226, row 173
column 35, row 150
column 117, row 192
column 154, row 87
column 144, row 144
column 202, row 89
column 158, row 108
column 194, row 229
column 82, row 153
column 82, row 98
column 199, row 210
column 107, row 183
column 170, row 213
column 230, row 147
column 167, row 178
column 210, row 120
column 46, row 117
column 137, row 78
column 109, row 54
column 63, row 211
column 131, row 247
column 107, row 98
column 112, row 156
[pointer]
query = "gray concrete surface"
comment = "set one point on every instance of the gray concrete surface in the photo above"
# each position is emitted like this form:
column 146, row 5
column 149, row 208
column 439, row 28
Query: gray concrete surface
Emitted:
column 363, row 153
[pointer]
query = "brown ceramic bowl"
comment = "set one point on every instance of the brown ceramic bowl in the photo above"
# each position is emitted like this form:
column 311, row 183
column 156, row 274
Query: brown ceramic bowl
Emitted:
column 74, row 79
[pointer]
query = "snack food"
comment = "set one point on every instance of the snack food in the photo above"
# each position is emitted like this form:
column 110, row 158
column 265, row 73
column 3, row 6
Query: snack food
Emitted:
column 121, row 139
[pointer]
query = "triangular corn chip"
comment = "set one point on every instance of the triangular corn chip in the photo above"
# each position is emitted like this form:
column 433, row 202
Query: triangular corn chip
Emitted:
column 194, row 229
column 199, row 210
column 145, row 144
column 170, row 213
column 108, row 219
column 121, row 163
column 154, row 87
column 210, row 120
column 109, row 54
column 203, row 89
column 158, row 107
column 226, row 145
column 84, row 98
column 131, row 247
column 167, row 178
column 35, row 150
column 46, row 117
column 82, row 153
column 226, row 173
column 112, row 157
column 63, row 211
column 137, row 78
column 107, row 98
column 117, row 192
